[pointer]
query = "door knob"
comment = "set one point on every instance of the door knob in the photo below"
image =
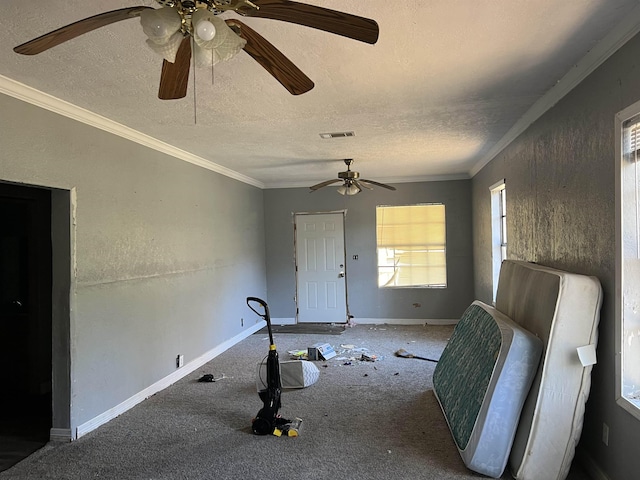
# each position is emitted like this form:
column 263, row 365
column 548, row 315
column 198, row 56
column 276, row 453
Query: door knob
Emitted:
column 341, row 275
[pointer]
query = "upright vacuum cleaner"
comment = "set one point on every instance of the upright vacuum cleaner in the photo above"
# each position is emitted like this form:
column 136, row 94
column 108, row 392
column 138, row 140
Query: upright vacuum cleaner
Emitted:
column 267, row 420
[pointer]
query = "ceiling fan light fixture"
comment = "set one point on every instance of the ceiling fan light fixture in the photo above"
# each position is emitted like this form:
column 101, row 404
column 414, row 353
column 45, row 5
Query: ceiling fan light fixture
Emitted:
column 348, row 188
column 352, row 189
column 169, row 49
column 205, row 30
column 222, row 46
column 160, row 24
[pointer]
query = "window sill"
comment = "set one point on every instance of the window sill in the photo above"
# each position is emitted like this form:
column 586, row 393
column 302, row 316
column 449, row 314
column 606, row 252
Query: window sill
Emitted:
column 631, row 406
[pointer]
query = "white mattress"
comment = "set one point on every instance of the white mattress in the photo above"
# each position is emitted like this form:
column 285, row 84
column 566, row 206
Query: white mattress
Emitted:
column 481, row 382
column 563, row 310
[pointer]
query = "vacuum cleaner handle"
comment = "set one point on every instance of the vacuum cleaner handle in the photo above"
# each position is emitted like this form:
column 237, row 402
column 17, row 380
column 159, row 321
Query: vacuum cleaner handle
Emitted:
column 261, row 302
column 264, row 315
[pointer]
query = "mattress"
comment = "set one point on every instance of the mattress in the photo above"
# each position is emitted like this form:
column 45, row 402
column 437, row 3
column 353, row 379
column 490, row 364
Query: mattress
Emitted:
column 563, row 310
column 481, row 382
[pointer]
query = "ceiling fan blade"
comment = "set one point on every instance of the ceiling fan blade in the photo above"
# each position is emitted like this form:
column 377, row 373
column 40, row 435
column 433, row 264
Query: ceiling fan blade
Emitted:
column 361, row 184
column 175, row 76
column 69, row 32
column 383, row 185
column 272, row 59
column 323, row 184
column 332, row 21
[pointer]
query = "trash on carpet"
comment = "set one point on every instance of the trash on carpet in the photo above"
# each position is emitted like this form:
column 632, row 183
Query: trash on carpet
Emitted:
column 208, row 377
column 291, row 429
column 349, row 354
column 365, row 357
column 320, row 351
column 353, row 353
column 298, row 354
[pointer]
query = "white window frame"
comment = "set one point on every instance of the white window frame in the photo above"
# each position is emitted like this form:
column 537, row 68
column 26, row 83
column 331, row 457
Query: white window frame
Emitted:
column 631, row 405
column 443, row 249
column 498, row 230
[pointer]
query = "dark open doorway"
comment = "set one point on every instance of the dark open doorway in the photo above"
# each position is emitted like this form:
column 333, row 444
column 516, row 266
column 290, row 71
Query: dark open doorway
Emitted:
column 25, row 321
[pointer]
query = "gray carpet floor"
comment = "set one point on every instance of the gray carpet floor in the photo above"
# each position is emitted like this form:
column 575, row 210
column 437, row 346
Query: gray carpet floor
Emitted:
column 361, row 420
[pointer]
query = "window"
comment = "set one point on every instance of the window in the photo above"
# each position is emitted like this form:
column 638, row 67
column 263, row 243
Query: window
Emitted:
column 498, row 230
column 628, row 259
column 411, row 243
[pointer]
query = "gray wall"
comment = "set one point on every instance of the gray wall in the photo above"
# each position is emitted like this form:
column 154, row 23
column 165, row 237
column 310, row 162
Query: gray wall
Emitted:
column 366, row 300
column 165, row 253
column 560, row 177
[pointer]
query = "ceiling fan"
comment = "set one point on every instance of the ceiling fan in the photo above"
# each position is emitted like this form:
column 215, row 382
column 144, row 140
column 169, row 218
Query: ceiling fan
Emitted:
column 172, row 27
column 352, row 183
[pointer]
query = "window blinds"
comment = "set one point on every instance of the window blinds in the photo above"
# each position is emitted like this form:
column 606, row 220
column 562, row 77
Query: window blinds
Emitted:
column 411, row 242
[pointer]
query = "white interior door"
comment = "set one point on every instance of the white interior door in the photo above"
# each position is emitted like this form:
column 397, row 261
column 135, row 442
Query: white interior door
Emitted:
column 320, row 264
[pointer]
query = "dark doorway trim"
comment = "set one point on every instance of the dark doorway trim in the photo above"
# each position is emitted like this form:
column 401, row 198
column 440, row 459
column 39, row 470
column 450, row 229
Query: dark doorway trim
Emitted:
column 61, row 277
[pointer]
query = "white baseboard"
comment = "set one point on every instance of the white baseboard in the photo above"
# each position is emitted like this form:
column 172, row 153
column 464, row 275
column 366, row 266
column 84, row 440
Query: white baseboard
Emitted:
column 165, row 382
column 283, row 321
column 405, row 321
column 60, row 434
column 379, row 321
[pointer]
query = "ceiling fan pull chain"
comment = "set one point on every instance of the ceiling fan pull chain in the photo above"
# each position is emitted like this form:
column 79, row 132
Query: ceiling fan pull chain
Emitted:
column 195, row 108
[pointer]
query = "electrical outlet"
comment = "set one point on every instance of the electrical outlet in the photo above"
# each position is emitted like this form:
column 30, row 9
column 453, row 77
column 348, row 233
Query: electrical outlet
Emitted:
column 179, row 361
column 605, row 434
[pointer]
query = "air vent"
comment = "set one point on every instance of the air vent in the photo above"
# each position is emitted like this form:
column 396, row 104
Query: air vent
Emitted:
column 337, row 135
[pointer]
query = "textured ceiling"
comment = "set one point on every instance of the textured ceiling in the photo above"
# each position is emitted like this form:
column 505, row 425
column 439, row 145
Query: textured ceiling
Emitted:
column 445, row 83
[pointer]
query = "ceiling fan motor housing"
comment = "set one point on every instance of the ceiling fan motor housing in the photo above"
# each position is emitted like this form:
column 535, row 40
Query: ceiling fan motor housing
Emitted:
column 348, row 175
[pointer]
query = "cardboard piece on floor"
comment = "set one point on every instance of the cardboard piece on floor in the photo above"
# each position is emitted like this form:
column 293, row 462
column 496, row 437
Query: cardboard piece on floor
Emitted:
column 320, row 351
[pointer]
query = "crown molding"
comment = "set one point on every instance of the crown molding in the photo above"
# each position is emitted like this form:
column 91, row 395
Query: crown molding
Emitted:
column 40, row 99
column 611, row 43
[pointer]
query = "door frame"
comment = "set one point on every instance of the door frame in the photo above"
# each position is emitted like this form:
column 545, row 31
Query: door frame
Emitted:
column 61, row 212
column 344, row 245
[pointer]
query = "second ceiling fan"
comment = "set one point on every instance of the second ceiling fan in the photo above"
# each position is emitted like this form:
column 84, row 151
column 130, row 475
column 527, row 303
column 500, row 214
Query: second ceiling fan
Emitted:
column 171, row 29
column 351, row 182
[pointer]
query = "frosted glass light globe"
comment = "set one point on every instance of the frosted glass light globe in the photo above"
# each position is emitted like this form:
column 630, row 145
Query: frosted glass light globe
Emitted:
column 159, row 24
column 205, row 30
column 352, row 189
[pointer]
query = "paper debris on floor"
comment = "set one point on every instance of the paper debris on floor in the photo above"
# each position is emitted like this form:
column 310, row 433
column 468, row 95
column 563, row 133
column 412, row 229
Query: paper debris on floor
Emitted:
column 321, row 351
column 298, row 354
column 352, row 353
